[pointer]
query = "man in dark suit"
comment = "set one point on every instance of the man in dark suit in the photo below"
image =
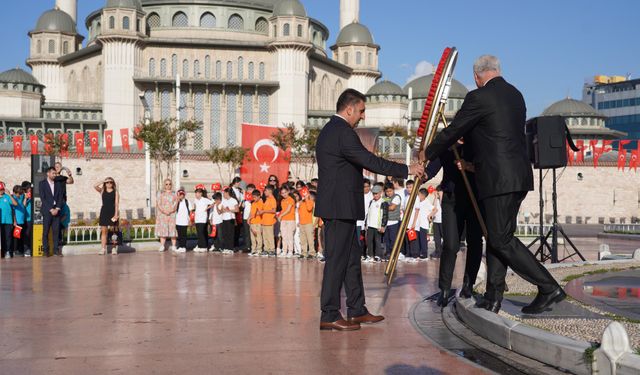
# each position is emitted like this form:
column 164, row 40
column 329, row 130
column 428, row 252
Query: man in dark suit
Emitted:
column 341, row 159
column 492, row 120
column 52, row 198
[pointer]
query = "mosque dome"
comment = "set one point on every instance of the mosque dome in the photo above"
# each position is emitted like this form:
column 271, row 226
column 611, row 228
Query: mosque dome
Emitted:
column 289, row 8
column 126, row 4
column 571, row 108
column 57, row 21
column 385, row 88
column 259, row 4
column 18, row 75
column 421, row 86
column 355, row 33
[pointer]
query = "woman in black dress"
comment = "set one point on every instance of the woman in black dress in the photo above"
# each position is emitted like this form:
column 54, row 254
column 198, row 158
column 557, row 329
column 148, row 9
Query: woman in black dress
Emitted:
column 109, row 210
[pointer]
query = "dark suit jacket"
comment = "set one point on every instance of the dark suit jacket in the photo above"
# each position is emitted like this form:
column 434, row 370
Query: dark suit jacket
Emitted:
column 341, row 159
column 492, row 120
column 48, row 199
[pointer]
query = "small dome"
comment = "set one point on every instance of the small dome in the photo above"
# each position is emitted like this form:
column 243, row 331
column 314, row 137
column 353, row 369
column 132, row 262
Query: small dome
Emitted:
column 355, row 33
column 385, row 88
column 18, row 75
column 126, row 4
column 56, row 20
column 421, row 86
column 289, row 8
column 571, row 108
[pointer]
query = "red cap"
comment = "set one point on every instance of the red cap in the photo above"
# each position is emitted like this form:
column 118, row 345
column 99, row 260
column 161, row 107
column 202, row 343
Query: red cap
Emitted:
column 1, row 185
column 200, row 187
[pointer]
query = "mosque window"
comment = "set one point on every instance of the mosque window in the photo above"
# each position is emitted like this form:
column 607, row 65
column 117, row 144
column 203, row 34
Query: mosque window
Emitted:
column 240, row 68
column 208, row 20
column 229, row 70
column 315, row 36
column 198, row 114
column 263, row 107
column 345, row 58
column 163, row 67
column 174, row 65
column 247, row 108
column 125, row 23
column 370, row 59
column 183, row 105
column 52, row 46
column 261, row 71
column 299, row 31
column 138, row 25
column 262, row 26
column 285, row 29
column 207, row 66
column 218, row 69
column 39, row 46
column 251, row 71
column 358, row 58
column 196, row 69
column 215, row 119
column 153, row 21
column 236, row 22
column 180, row 20
column 65, row 48
column 165, row 105
column 231, row 118
column 152, row 67
column 185, row 68
column 149, row 98
column 275, row 31
column 112, row 22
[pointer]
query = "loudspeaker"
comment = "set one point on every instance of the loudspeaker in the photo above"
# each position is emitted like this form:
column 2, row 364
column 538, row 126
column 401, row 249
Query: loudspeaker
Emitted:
column 547, row 142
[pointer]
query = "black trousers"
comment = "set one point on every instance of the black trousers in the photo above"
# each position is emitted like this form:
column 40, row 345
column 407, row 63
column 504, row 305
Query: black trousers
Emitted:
column 182, row 235
column 50, row 224
column 342, row 267
column 228, row 230
column 390, row 234
column 505, row 250
column 201, row 232
column 246, row 235
column 6, row 235
column 374, row 243
column 437, row 238
column 457, row 213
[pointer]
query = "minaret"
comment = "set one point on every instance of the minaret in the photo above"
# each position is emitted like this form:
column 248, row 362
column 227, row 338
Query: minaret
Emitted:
column 349, row 12
column 70, row 7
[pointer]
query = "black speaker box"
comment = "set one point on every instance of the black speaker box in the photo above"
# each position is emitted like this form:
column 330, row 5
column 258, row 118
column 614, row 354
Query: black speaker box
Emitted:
column 547, row 142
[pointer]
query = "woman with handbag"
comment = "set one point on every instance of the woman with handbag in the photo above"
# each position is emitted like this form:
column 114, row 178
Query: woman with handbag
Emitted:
column 109, row 211
column 166, row 208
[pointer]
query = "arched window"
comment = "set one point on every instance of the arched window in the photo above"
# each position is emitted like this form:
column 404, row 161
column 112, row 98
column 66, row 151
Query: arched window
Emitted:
column 196, row 69
column 185, row 68
column 251, row 71
column 138, row 25
column 247, row 107
column 125, row 23
column 229, row 70
column 208, row 20
column 338, row 88
column 236, row 22
column 370, row 59
column 240, row 68
column 65, row 48
column 232, row 111
column 286, row 29
column 52, row 46
column 165, row 105
column 39, row 46
column 275, row 31
column 218, row 69
column 152, row 67
column 262, row 26
column 180, row 20
column 198, row 113
column 112, row 22
column 325, row 93
column 358, row 58
column 263, row 108
column 153, row 21
column 299, row 31
column 174, row 65
column 261, row 71
column 207, row 66
column 163, row 68
column 345, row 58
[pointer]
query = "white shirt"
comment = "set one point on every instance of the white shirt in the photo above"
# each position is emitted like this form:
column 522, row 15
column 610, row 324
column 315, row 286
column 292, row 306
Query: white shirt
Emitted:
column 374, row 215
column 438, row 216
column 247, row 211
column 215, row 218
column 182, row 216
column 397, row 200
column 368, row 197
column 201, row 209
column 229, row 203
column 423, row 215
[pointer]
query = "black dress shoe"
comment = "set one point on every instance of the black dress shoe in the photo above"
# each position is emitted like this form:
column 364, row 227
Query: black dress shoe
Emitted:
column 544, row 300
column 489, row 305
column 466, row 291
column 444, row 298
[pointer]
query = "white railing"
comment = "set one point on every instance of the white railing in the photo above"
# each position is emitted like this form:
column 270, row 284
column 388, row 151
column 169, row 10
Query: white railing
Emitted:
column 622, row 228
column 91, row 234
column 531, row 230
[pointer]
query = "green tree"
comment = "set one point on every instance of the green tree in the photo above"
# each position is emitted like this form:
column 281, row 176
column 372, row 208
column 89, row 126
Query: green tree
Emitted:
column 233, row 157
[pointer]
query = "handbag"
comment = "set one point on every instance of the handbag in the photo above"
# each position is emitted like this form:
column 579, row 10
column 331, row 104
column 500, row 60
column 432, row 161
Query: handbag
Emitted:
column 114, row 235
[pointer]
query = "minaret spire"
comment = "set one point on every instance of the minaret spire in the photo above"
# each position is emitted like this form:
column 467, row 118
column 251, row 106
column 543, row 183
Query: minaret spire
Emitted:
column 349, row 12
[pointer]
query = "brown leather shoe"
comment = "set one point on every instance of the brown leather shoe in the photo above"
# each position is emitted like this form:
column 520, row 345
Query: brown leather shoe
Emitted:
column 367, row 318
column 339, row 325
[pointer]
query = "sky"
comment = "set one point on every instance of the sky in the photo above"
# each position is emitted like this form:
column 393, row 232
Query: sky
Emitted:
column 548, row 48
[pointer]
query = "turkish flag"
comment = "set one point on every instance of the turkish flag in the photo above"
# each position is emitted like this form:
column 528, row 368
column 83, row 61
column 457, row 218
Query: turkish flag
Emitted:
column 635, row 155
column 79, row 140
column 64, row 145
column 622, row 154
column 136, row 132
column 596, row 151
column 17, row 232
column 580, row 155
column 48, row 143
column 264, row 157
column 93, row 140
column 17, row 147
column 108, row 140
column 124, row 137
column 33, row 140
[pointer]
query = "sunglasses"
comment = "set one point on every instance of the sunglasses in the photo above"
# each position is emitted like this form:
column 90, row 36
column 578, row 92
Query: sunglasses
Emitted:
column 167, row 184
column 272, row 180
column 109, row 182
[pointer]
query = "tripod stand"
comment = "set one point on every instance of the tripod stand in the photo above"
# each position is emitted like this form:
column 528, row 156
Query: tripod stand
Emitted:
column 546, row 251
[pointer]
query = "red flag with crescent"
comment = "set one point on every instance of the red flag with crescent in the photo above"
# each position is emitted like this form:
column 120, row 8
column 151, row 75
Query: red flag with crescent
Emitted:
column 635, row 158
column 264, row 157
column 48, row 143
column 622, row 154
column 124, row 137
column 108, row 140
column 596, row 151
column 136, row 132
column 33, row 140
column 17, row 147
column 64, row 145
column 79, row 141
column 580, row 154
column 93, row 140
